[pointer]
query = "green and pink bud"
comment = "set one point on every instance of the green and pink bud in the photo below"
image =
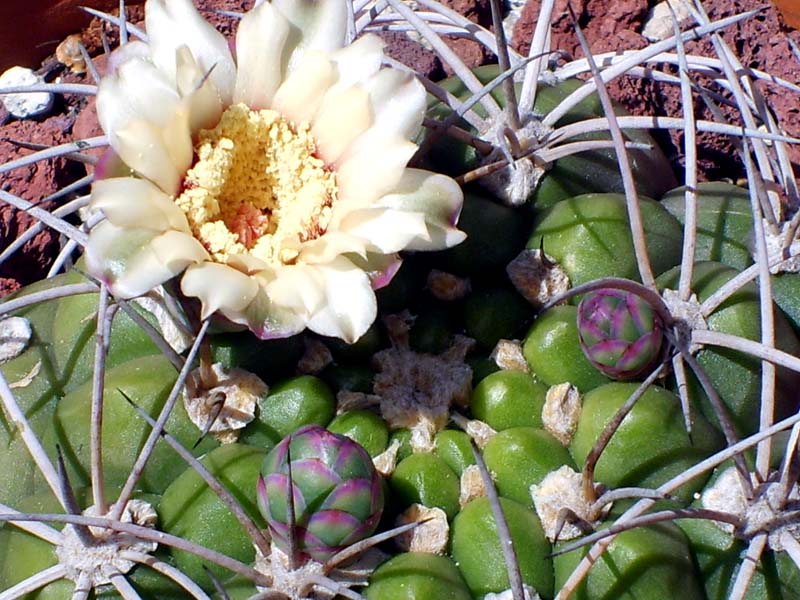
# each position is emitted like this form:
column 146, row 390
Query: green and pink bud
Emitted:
column 336, row 492
column 619, row 332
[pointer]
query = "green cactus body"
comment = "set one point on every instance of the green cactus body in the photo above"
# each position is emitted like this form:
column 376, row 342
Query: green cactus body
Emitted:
column 147, row 381
column 364, row 427
column 495, row 235
column 718, row 551
column 522, row 456
column 58, row 362
column 291, row 404
column 589, row 236
column 361, row 351
column 496, row 314
column 401, row 437
column 508, row 399
column 349, row 378
column 417, row 576
column 650, row 446
column 786, row 293
column 74, row 330
column 719, row 557
column 477, row 551
column 37, row 399
column 271, row 360
column 552, row 350
column 424, row 478
column 735, row 375
column 42, row 315
column 66, row 329
column 302, row 471
column 454, row 448
column 23, row 554
column 433, row 328
column 192, row 510
column 646, row 562
column 724, row 222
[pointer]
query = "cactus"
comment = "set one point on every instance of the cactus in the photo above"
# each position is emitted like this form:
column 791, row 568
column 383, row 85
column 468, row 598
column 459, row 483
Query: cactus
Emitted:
column 112, row 490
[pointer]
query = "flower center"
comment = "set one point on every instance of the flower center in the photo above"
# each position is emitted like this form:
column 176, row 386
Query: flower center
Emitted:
column 257, row 187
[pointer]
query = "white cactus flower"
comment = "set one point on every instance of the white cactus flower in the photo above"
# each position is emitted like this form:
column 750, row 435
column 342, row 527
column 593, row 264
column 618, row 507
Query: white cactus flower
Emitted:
column 273, row 177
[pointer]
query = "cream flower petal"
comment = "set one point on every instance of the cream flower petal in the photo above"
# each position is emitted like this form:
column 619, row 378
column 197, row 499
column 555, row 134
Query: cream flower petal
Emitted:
column 357, row 62
column 346, row 109
column 436, row 196
column 174, row 23
column 327, row 247
column 132, row 202
column 382, row 277
column 138, row 100
column 441, row 238
column 300, row 94
column 246, row 263
column 386, row 229
column 110, row 165
column 397, row 101
column 219, row 288
column 266, row 319
column 380, row 268
column 134, row 48
column 137, row 90
column 397, row 104
column 372, row 168
column 134, row 261
column 154, row 152
column 350, row 306
column 200, row 95
column 316, row 25
column 260, row 42
column 343, row 116
column 297, row 287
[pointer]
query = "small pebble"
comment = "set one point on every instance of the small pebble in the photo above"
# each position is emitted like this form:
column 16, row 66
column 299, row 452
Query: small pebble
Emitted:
column 69, row 54
column 659, row 25
column 24, row 105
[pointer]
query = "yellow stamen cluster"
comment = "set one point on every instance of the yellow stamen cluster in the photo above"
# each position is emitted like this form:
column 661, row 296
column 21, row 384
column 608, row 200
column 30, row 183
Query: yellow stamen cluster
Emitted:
column 257, row 187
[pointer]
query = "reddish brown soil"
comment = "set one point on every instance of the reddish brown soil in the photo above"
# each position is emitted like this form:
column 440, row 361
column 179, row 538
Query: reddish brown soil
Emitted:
column 51, row 20
column 33, row 184
column 608, row 25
